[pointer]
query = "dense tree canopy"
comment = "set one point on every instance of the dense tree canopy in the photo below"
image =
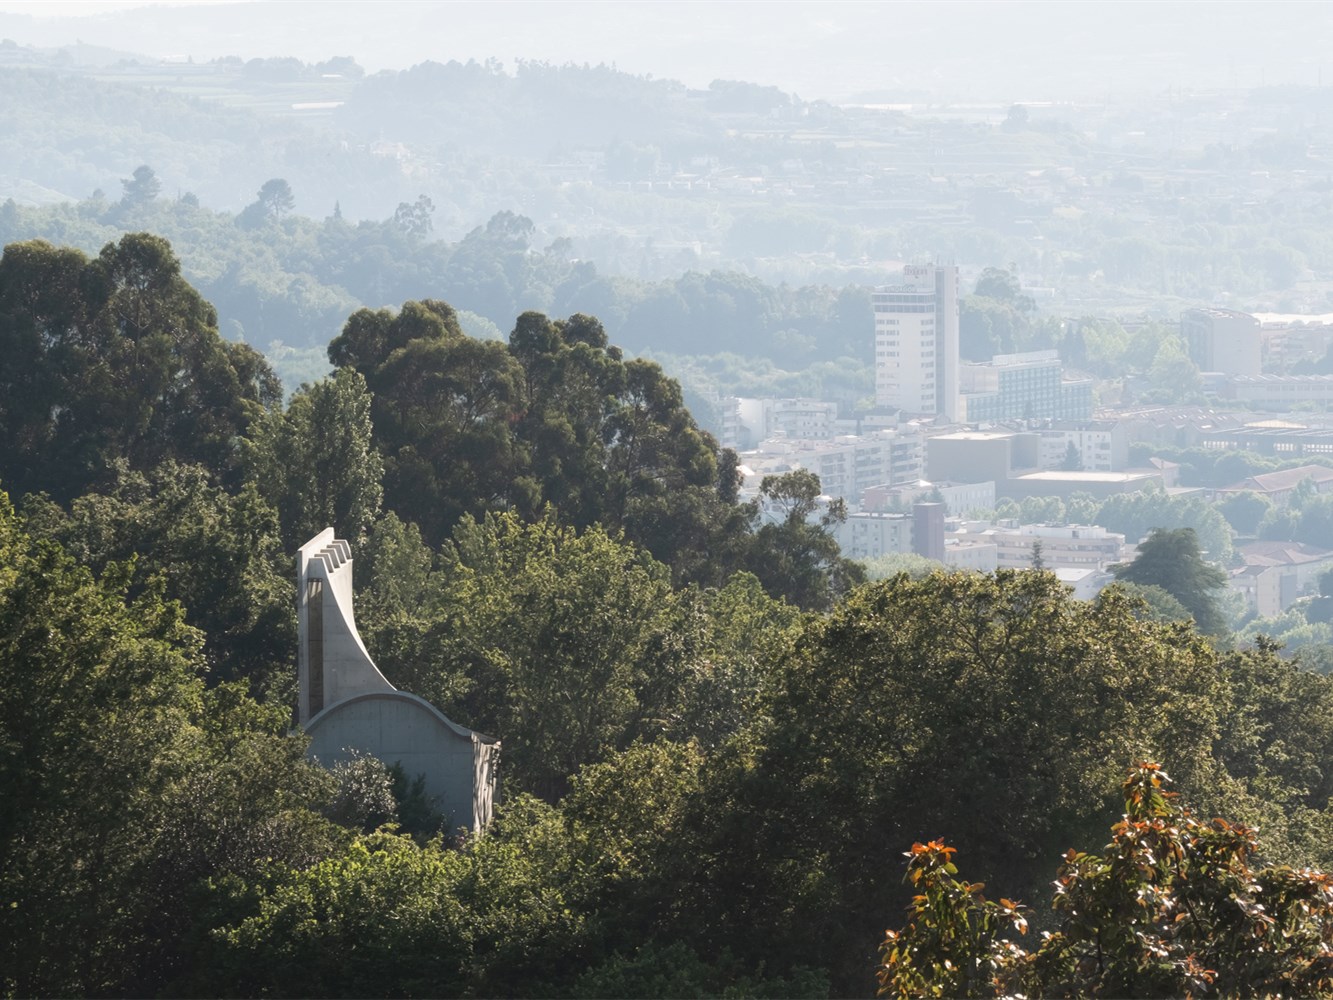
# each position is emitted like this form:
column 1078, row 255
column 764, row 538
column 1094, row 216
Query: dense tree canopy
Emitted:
column 316, row 461
column 217, row 553
column 115, row 358
column 992, row 707
column 557, row 416
column 124, row 782
column 794, row 553
column 722, row 734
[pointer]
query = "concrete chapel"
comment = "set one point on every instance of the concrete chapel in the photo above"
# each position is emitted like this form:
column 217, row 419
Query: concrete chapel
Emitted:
column 347, row 705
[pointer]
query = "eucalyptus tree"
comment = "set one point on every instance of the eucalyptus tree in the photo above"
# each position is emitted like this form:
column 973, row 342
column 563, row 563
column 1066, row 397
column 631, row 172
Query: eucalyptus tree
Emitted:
column 115, row 357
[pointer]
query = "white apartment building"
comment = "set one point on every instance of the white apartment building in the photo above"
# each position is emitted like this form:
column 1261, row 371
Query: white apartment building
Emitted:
column 1078, row 546
column 1074, row 546
column 916, row 342
column 1222, row 340
column 1288, row 338
column 958, row 498
column 1102, row 445
column 975, row 554
column 848, row 464
column 869, row 536
column 747, row 421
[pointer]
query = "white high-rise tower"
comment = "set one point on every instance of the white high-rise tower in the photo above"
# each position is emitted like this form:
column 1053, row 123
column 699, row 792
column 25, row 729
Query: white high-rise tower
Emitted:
column 916, row 342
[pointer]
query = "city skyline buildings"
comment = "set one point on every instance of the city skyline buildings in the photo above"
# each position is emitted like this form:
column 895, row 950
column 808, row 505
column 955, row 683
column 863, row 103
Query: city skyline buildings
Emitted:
column 916, row 342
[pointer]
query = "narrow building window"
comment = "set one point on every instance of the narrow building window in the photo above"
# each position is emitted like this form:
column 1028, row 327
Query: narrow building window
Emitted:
column 315, row 642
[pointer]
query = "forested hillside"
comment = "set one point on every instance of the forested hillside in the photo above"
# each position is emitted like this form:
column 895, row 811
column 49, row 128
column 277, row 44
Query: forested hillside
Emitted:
column 716, row 744
column 1106, row 208
column 275, row 276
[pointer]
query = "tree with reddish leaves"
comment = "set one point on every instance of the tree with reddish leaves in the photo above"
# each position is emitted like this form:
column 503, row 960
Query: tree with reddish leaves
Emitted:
column 1173, row 906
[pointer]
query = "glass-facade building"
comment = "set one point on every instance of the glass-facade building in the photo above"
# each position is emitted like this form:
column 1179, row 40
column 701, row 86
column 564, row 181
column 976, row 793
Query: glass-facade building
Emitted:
column 1023, row 387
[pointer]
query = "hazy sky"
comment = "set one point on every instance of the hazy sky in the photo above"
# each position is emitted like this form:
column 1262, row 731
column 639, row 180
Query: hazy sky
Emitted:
column 1020, row 50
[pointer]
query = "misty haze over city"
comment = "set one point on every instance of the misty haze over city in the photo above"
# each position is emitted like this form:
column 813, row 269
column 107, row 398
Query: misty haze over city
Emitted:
column 831, row 51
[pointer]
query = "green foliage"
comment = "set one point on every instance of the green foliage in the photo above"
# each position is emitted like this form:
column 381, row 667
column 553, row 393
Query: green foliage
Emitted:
column 414, row 218
column 364, row 799
column 1173, row 376
column 574, row 902
column 1041, row 510
column 1173, row 906
column 560, row 643
column 1320, row 609
column 997, row 318
column 1216, row 468
column 124, row 783
column 557, row 416
column 1158, row 604
column 731, row 640
column 728, row 767
column 1073, row 460
column 953, row 944
column 796, row 556
column 273, row 201
column 443, row 412
column 1081, row 508
column 611, row 442
column 627, row 816
column 1298, row 628
column 218, row 554
column 1020, row 695
column 1317, row 657
column 1307, row 519
column 277, row 277
column 383, row 913
column 565, row 644
column 1171, row 560
column 1245, row 510
column 1135, row 515
column 675, row 970
column 415, row 810
column 887, row 566
column 1279, row 739
column 316, row 463
column 115, row 358
column 142, row 188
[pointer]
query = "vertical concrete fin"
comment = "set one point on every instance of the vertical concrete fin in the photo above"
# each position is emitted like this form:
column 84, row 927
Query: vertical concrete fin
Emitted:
column 333, row 663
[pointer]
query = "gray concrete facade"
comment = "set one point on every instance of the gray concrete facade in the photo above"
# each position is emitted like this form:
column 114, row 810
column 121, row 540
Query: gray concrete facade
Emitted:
column 347, row 705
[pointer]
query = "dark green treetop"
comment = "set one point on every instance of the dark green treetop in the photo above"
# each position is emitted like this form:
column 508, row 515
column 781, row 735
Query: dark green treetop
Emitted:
column 115, row 357
column 1172, row 560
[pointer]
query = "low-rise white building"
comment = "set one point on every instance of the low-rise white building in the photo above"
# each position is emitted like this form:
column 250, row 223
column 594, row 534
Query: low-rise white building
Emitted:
column 847, row 464
column 958, row 498
column 976, row 554
column 1279, row 392
column 1102, row 445
column 746, row 421
column 1076, row 546
column 1276, row 574
column 869, row 536
column 1085, row 583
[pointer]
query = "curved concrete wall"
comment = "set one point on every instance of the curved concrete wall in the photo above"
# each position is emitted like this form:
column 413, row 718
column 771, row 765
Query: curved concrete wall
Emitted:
column 400, row 728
